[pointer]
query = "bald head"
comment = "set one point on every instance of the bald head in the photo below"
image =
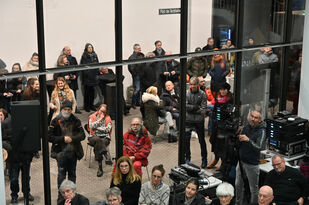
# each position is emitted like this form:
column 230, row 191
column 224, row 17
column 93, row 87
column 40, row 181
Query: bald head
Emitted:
column 67, row 50
column 266, row 195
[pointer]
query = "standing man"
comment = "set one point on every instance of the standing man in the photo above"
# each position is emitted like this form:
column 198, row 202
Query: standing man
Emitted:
column 137, row 145
column 252, row 140
column 195, row 116
column 288, row 183
column 159, row 51
column 66, row 133
column 197, row 66
column 136, row 72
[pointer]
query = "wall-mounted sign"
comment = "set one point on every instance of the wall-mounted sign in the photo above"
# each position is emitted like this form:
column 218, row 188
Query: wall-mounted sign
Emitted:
column 169, row 11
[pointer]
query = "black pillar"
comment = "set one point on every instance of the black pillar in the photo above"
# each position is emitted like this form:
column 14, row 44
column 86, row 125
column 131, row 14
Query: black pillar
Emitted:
column 119, row 78
column 183, row 71
column 43, row 101
column 285, row 55
column 239, row 44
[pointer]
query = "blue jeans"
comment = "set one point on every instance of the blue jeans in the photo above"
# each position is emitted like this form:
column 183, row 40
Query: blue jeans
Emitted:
column 136, row 92
column 199, row 128
column 252, row 172
column 14, row 170
column 66, row 165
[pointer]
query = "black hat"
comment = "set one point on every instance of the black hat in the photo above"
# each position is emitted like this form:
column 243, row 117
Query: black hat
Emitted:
column 66, row 103
column 225, row 86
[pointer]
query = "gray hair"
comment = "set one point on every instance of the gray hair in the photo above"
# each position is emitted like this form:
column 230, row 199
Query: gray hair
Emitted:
column 277, row 156
column 114, row 191
column 135, row 45
column 194, row 80
column 67, row 183
column 225, row 189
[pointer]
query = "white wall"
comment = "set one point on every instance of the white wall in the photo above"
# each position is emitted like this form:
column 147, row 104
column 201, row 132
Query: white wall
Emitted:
column 303, row 110
column 76, row 22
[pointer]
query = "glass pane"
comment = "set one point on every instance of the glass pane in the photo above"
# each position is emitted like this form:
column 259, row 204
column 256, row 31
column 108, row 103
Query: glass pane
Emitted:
column 260, row 83
column 298, row 20
column 263, row 21
column 294, row 70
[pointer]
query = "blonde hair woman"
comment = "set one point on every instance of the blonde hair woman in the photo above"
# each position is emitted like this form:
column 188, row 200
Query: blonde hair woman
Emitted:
column 61, row 93
column 126, row 179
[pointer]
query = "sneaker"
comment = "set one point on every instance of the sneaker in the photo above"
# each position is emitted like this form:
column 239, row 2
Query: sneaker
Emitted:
column 204, row 163
column 30, row 197
column 14, row 200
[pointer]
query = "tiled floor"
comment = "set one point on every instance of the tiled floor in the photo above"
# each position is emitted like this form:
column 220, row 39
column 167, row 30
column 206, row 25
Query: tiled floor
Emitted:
column 94, row 187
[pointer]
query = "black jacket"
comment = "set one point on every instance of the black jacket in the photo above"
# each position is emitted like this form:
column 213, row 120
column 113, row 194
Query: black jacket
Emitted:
column 129, row 192
column 288, row 186
column 171, row 101
column 180, row 199
column 77, row 200
column 6, row 130
column 196, row 104
column 250, row 151
column 56, row 137
column 148, row 75
column 136, row 69
column 173, row 65
column 90, row 77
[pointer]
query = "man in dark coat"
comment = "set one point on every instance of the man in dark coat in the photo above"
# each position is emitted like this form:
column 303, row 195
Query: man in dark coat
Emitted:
column 136, row 72
column 159, row 51
column 252, row 140
column 66, row 133
column 195, row 116
column 169, row 71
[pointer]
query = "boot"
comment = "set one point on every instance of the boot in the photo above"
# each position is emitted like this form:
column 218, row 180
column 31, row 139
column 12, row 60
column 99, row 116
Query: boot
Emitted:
column 212, row 164
column 100, row 169
column 108, row 160
column 204, row 163
column 172, row 137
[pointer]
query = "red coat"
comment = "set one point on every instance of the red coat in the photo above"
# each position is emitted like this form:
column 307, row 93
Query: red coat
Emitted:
column 139, row 147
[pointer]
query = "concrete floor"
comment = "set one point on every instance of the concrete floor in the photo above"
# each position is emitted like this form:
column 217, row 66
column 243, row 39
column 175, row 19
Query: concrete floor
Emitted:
column 93, row 187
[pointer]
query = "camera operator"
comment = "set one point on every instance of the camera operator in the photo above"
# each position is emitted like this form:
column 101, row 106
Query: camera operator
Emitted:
column 218, row 137
column 252, row 139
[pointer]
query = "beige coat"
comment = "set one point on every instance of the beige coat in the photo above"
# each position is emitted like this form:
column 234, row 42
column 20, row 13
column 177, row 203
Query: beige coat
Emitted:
column 56, row 102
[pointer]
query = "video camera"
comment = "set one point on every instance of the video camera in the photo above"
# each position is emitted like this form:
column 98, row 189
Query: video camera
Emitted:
column 228, row 121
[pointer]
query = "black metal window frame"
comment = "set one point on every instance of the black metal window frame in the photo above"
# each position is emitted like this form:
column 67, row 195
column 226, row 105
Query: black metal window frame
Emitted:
column 119, row 62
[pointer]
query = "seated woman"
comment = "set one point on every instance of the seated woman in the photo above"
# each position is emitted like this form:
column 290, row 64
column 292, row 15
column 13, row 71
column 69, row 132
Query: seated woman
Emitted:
column 225, row 194
column 155, row 191
column 126, row 179
column 218, row 136
column 152, row 111
column 61, row 93
column 100, row 125
column 69, row 195
column 190, row 196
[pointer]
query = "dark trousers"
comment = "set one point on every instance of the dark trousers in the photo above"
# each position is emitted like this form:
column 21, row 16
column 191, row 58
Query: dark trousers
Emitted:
column 88, row 96
column 136, row 93
column 199, row 129
column 66, row 165
column 100, row 147
column 14, row 170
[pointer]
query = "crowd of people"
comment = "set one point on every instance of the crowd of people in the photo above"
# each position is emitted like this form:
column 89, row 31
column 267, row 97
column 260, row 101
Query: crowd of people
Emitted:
column 156, row 91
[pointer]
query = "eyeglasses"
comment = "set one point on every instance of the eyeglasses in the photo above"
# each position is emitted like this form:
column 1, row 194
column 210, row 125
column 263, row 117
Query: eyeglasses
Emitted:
column 124, row 166
column 278, row 164
column 135, row 124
